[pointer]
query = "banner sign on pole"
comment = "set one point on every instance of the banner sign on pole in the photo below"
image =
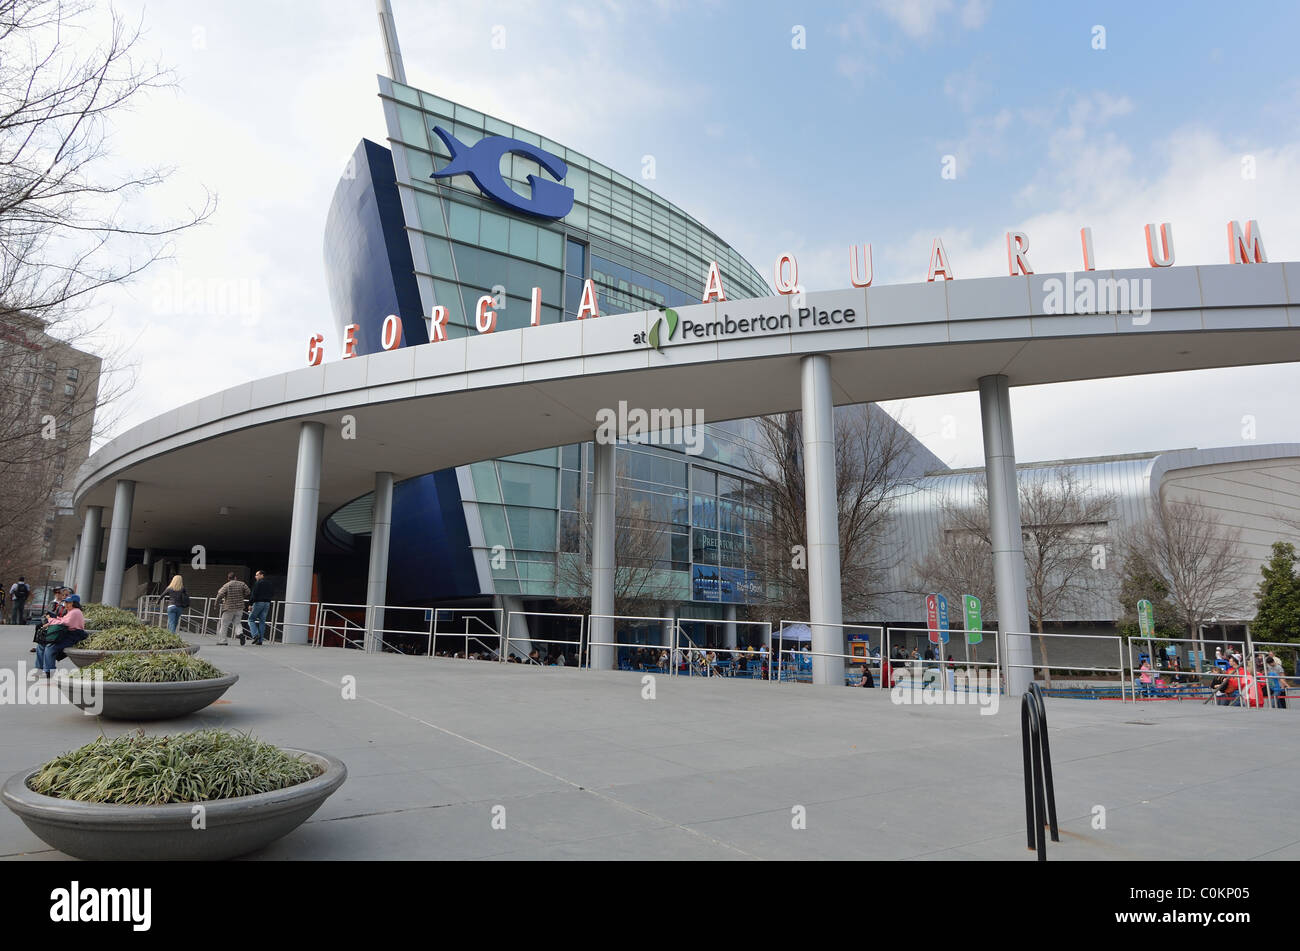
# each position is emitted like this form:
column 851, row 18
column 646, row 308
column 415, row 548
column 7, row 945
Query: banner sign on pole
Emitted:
column 943, row 617
column 974, row 618
column 1146, row 618
column 932, row 617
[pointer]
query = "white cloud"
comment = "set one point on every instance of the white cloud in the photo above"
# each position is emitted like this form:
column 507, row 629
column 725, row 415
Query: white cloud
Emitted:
column 919, row 19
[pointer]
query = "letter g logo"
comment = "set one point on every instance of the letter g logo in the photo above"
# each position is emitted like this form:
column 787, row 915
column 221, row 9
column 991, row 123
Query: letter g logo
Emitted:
column 482, row 163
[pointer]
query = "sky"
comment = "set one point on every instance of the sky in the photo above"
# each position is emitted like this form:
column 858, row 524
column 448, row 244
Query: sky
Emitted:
column 794, row 127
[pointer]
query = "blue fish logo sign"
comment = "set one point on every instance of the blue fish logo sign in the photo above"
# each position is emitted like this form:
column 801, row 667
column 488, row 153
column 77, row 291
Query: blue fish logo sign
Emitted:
column 482, row 163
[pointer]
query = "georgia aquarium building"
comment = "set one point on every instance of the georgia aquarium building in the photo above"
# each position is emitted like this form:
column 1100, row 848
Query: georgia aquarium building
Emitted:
column 412, row 228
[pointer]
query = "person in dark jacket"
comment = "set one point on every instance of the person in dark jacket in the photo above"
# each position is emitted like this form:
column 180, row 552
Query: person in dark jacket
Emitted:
column 177, row 600
column 260, row 599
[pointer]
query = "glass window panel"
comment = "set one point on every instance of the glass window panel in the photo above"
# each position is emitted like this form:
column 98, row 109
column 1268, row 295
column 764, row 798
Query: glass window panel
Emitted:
column 575, row 261
column 448, row 295
column 573, row 294
column 523, row 239
column 406, row 94
column 538, row 457
column 532, row 138
column 497, row 127
column 495, row 232
column 569, row 456
column 466, row 133
column 519, row 167
column 705, row 512
column 532, row 528
column 420, row 165
column 705, row 480
column 435, row 104
column 469, row 116
column 430, row 211
column 440, row 257
column 537, row 571
column 569, row 529
column 494, row 525
column 577, row 218
column 550, row 247
column 411, row 122
column 464, row 222
column 485, row 481
column 569, row 490
column 704, row 547
column 527, row 485
column 577, row 180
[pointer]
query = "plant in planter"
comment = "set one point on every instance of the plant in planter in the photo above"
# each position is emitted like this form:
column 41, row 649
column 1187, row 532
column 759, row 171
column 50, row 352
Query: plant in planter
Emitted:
column 101, row 616
column 143, row 686
column 207, row 794
column 104, row 644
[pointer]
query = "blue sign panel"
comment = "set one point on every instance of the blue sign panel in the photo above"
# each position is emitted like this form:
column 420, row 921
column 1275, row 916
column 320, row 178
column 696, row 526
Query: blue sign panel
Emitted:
column 729, row 585
column 482, row 163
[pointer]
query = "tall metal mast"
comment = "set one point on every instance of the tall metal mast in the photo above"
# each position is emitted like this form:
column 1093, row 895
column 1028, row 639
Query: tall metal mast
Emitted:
column 392, row 52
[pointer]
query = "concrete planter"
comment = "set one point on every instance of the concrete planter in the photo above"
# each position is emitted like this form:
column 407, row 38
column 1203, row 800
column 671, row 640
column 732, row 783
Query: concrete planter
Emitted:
column 95, row 831
column 83, row 658
column 163, row 701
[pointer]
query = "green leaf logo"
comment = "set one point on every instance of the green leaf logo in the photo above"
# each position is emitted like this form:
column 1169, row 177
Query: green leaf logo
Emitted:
column 654, row 340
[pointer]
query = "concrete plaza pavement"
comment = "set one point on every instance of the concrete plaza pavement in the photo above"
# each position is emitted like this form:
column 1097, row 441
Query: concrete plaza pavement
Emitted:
column 580, row 766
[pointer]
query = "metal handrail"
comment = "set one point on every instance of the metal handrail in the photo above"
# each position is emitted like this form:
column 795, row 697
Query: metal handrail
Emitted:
column 1040, row 792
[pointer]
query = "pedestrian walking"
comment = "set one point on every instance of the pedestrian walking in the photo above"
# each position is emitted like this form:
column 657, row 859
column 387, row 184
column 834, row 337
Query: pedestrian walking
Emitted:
column 261, row 604
column 178, row 602
column 230, row 602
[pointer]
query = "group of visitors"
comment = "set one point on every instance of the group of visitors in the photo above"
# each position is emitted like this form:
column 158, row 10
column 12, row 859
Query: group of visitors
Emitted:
column 230, row 599
column 705, row 662
column 63, row 626
column 1260, row 684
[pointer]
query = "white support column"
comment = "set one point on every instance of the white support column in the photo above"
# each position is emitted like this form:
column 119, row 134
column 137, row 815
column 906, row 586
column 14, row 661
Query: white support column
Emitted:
column 71, row 579
column 822, row 516
column 302, row 538
column 517, row 627
column 729, row 627
column 88, row 559
column 377, row 586
column 668, row 625
column 602, row 553
column 118, row 532
column 1005, row 531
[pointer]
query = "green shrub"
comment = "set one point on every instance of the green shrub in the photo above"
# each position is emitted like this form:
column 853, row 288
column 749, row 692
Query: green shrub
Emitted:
column 151, row 669
column 100, row 616
column 128, row 638
column 200, row 766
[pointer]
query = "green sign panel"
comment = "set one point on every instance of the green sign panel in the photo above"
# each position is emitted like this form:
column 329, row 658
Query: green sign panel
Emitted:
column 974, row 619
column 1146, row 618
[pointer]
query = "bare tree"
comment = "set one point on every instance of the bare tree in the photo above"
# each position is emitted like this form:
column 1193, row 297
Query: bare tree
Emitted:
column 69, row 220
column 1198, row 558
column 1062, row 523
column 71, row 223
column 873, row 457
column 642, row 558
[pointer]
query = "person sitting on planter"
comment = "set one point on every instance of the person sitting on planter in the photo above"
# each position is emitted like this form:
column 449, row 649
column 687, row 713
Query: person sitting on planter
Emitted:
column 64, row 632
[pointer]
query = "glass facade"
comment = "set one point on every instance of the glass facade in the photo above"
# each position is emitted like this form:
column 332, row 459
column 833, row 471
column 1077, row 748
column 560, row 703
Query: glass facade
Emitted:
column 685, row 519
column 641, row 251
